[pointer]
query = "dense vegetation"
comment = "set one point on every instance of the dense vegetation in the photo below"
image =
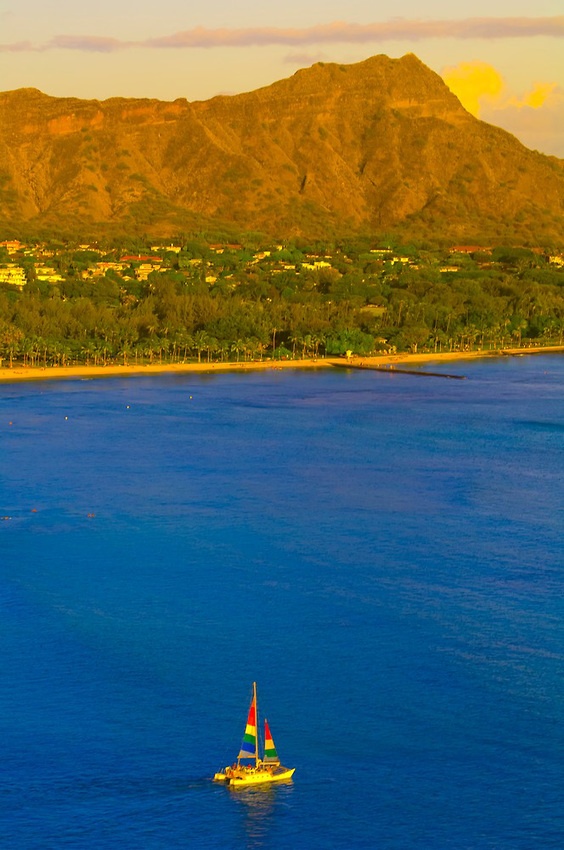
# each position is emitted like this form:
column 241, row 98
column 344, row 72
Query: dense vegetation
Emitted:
column 238, row 303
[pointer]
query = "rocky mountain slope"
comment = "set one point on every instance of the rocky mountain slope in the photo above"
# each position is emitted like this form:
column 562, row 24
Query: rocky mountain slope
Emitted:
column 378, row 146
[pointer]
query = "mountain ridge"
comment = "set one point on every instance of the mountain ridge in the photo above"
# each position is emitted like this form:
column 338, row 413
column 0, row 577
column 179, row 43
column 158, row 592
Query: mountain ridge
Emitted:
column 334, row 149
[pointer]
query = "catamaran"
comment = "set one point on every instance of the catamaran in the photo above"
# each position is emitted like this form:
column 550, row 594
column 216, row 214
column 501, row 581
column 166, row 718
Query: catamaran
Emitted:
column 250, row 769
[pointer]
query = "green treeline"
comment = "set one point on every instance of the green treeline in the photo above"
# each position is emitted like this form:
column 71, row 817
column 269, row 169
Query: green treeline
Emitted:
column 203, row 305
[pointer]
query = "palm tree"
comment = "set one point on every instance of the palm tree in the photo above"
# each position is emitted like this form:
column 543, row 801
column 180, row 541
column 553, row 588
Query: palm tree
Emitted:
column 88, row 349
column 151, row 346
column 125, row 349
column 260, row 347
column 295, row 339
column 238, row 346
column 164, row 345
column 315, row 341
column 223, row 348
column 518, row 329
column 64, row 354
column 26, row 348
column 138, row 349
column 38, row 345
column 212, row 346
column 183, row 342
column 201, row 340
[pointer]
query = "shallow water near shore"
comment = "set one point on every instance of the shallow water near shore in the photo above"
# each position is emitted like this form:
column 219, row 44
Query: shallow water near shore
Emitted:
column 381, row 553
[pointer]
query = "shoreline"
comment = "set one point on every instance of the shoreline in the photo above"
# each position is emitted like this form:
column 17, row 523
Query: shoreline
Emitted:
column 39, row 373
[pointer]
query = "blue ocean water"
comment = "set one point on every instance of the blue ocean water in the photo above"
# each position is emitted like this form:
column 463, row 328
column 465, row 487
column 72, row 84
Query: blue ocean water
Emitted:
column 381, row 553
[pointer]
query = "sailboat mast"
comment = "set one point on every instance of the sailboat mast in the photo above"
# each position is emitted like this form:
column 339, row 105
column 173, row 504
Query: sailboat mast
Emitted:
column 257, row 724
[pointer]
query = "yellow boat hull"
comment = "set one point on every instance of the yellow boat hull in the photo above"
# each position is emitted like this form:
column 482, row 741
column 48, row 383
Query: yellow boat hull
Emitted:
column 236, row 778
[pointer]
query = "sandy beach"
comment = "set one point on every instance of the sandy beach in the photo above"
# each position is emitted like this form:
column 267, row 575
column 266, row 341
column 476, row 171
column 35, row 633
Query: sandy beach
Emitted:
column 27, row 373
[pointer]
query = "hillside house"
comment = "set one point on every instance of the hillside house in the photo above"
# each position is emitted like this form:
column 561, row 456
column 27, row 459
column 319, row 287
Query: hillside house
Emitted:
column 48, row 274
column 175, row 249
column 12, row 246
column 13, row 275
column 318, row 264
column 143, row 271
column 470, row 249
column 105, row 266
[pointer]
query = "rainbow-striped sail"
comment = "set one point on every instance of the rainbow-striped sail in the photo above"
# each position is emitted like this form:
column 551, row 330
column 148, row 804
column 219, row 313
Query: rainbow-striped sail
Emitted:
column 270, row 754
column 249, row 748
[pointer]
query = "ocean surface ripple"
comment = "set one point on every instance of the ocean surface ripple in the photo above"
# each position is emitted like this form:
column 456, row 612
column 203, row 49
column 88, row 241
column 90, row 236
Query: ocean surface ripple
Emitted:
column 382, row 554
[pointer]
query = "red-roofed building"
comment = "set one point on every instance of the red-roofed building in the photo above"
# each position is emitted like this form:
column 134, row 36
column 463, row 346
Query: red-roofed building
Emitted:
column 139, row 258
column 470, row 249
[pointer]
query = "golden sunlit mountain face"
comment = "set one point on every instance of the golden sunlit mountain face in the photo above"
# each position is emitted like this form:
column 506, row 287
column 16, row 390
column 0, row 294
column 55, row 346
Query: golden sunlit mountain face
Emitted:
column 380, row 144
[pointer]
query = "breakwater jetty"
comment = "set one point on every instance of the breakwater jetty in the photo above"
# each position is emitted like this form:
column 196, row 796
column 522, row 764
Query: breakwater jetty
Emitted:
column 391, row 369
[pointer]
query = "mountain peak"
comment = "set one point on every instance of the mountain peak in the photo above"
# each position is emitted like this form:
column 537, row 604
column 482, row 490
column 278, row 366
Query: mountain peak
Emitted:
column 332, row 149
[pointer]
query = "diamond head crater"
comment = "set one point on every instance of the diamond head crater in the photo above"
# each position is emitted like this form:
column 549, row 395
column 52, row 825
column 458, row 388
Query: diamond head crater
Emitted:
column 334, row 150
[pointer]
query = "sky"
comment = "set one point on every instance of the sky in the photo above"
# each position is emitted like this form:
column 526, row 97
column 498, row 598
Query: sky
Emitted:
column 504, row 60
